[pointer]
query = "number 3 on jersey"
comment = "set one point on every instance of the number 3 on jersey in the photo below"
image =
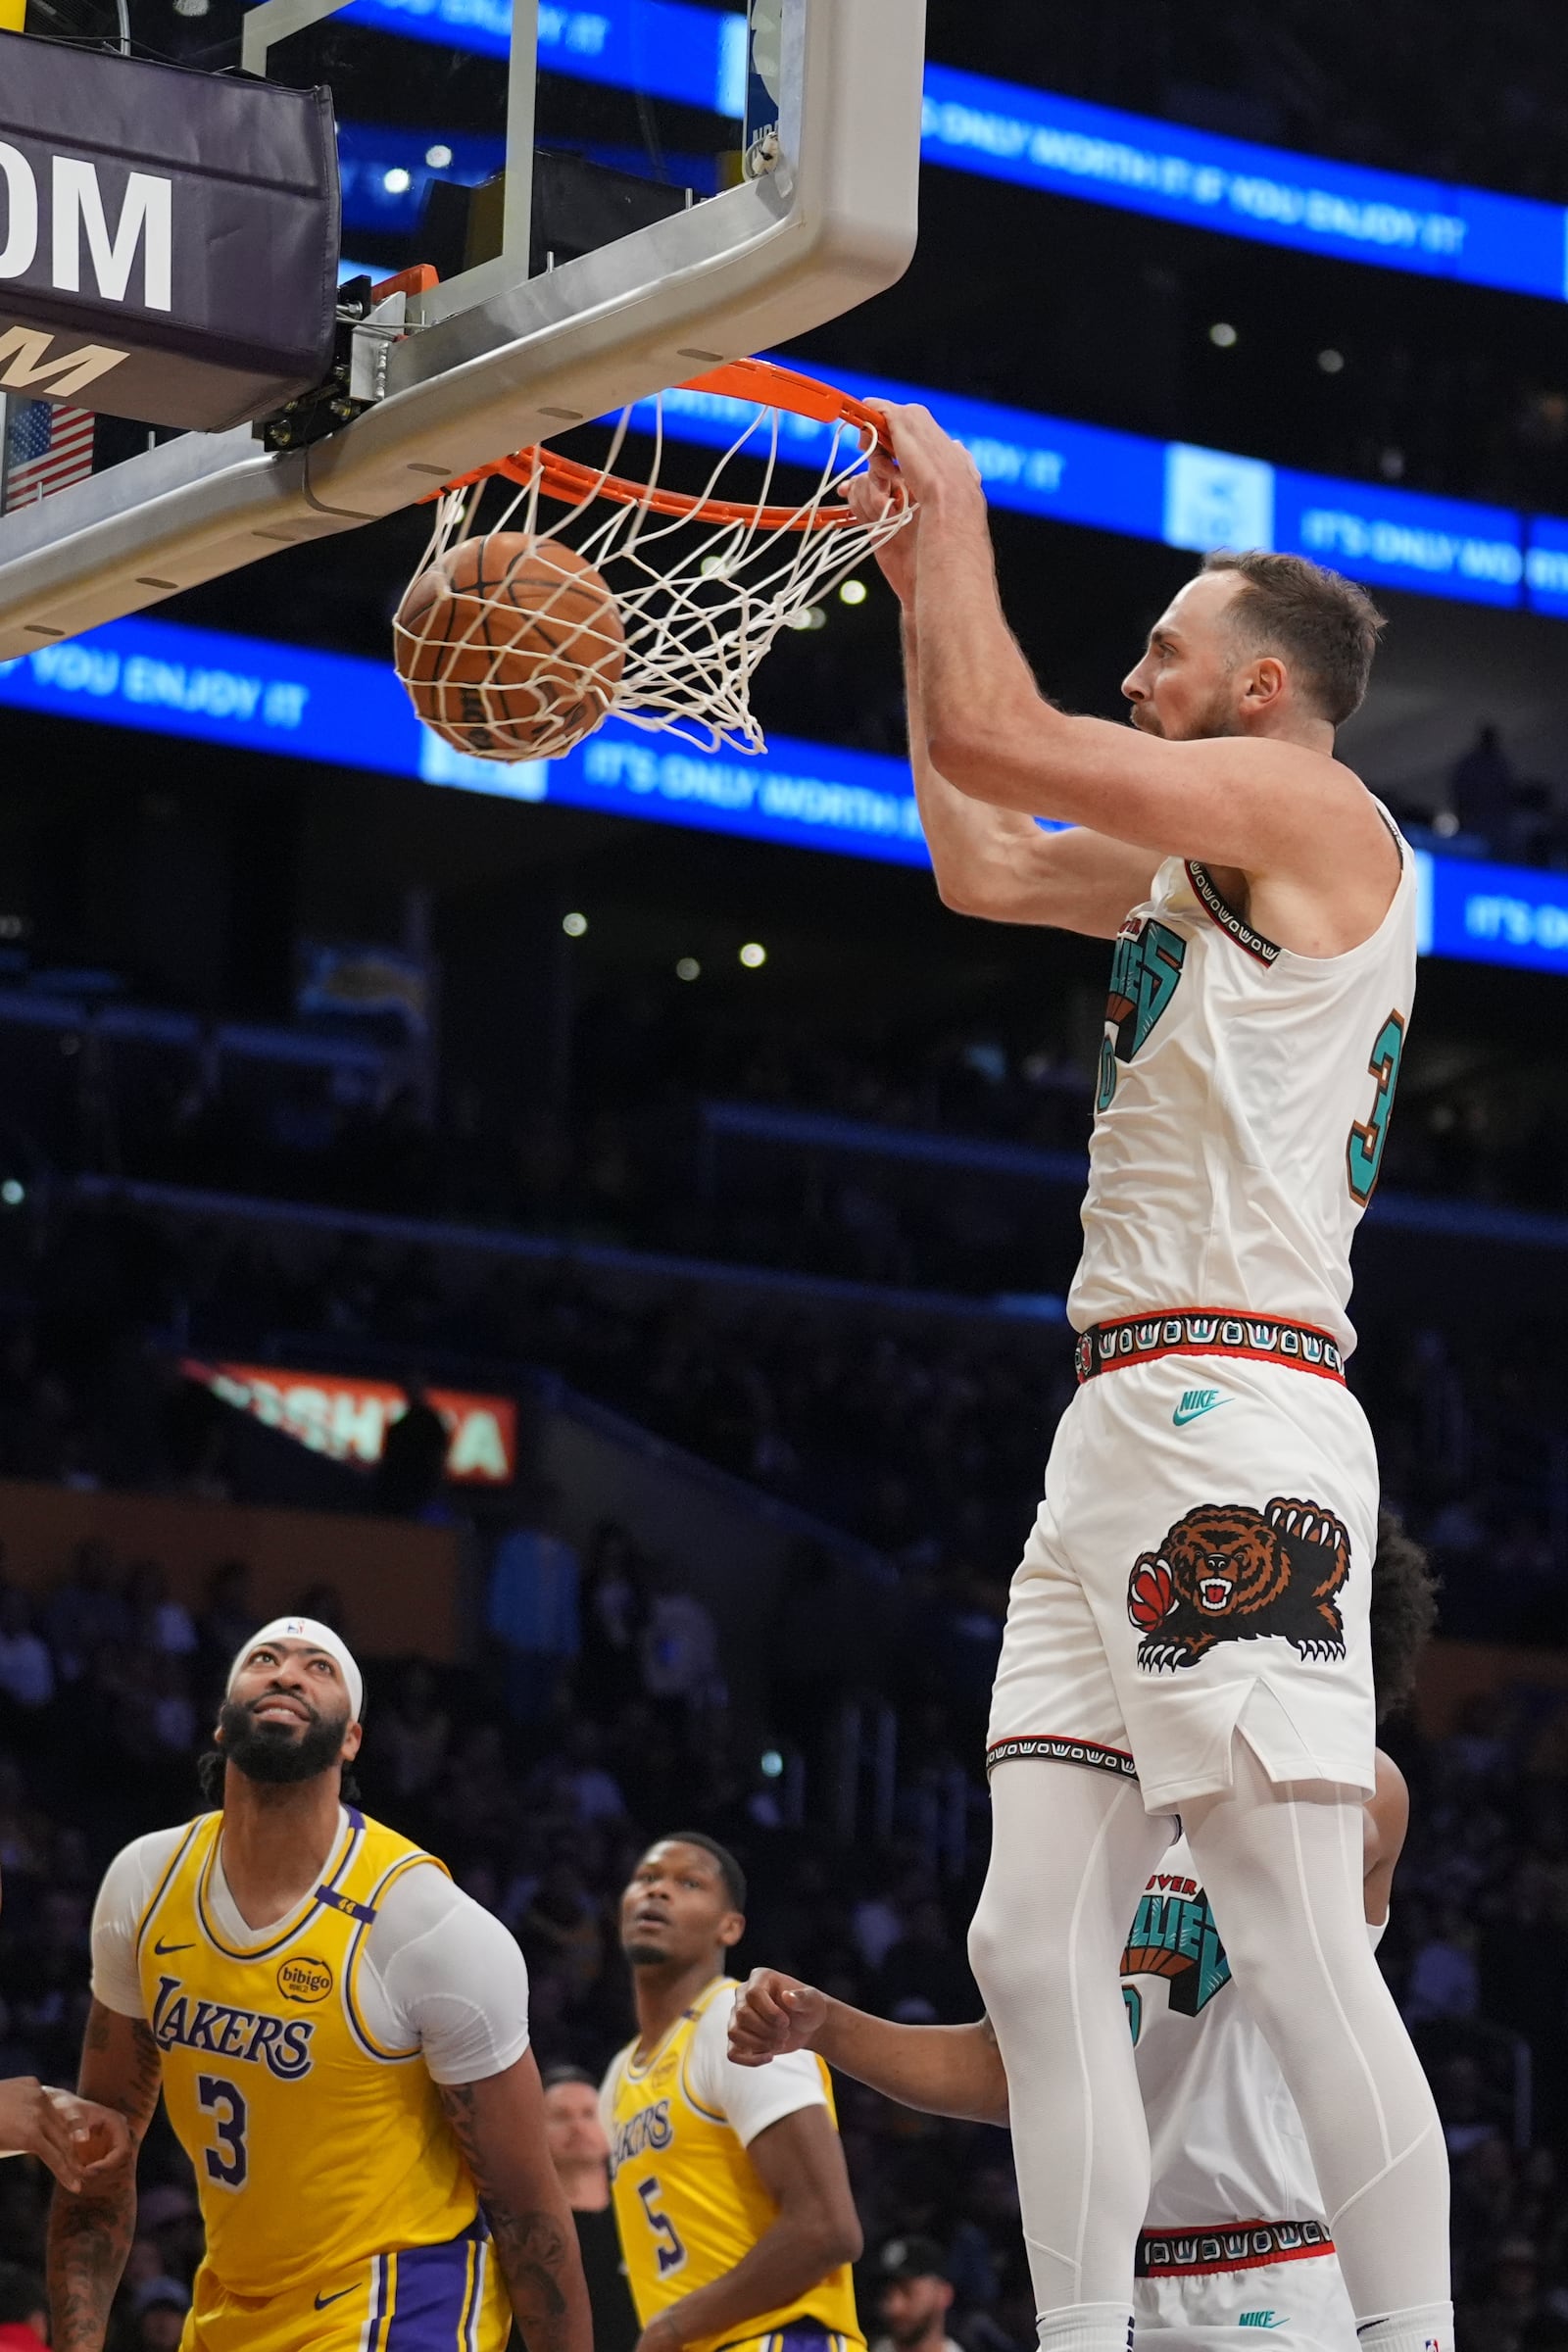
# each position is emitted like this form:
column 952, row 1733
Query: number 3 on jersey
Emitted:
column 229, row 2162
column 1363, row 1153
column 671, row 2253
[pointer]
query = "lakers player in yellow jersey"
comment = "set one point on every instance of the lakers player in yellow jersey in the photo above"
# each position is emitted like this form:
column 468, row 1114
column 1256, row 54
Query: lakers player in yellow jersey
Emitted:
column 735, row 2214
column 341, row 2038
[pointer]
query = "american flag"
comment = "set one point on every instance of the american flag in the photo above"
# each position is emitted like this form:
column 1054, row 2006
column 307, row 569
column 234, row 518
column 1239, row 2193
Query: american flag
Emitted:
column 47, row 447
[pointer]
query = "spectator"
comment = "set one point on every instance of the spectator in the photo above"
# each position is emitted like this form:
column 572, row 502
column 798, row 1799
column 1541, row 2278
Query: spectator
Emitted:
column 532, row 1609
column 158, row 1622
column 159, row 2311
column 1482, row 788
column 411, row 1734
column 414, row 1461
column 85, row 1610
column 26, row 1670
column 579, row 2148
column 914, row 2296
column 680, row 1652
column 230, row 1616
column 615, row 1607
column 593, row 1792
column 24, row 2310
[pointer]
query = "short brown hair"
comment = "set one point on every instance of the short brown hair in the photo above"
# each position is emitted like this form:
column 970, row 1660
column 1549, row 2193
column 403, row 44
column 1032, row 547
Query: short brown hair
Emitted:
column 1322, row 623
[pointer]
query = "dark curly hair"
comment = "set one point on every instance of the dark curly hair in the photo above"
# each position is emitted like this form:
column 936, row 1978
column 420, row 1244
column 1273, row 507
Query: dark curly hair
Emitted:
column 1403, row 1612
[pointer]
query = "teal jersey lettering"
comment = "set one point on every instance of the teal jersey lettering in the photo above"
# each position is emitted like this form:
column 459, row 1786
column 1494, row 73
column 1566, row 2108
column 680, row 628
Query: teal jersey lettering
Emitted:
column 1144, row 974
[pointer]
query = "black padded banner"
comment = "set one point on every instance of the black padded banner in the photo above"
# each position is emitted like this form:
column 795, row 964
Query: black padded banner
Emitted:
column 169, row 240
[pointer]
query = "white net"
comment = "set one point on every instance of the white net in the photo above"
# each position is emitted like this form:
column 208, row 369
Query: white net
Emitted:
column 703, row 583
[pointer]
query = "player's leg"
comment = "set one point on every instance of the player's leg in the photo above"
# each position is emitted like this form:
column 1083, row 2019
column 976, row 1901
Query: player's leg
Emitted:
column 1071, row 1848
column 1283, row 1867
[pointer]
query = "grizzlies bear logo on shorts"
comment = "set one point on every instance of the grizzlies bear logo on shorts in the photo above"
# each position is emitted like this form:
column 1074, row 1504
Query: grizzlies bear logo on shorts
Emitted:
column 1227, row 1573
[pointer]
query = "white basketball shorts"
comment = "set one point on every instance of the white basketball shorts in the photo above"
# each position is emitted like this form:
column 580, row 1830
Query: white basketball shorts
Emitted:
column 1302, row 2306
column 1199, row 1564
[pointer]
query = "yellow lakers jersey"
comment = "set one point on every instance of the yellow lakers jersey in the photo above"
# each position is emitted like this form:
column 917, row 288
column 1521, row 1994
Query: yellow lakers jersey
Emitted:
column 688, row 2200
column 315, row 2148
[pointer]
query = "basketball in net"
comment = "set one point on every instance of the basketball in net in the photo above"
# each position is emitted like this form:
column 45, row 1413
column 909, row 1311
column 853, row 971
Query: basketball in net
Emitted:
column 515, row 644
column 511, row 646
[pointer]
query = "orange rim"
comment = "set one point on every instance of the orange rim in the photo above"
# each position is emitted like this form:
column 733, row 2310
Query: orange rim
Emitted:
column 571, row 484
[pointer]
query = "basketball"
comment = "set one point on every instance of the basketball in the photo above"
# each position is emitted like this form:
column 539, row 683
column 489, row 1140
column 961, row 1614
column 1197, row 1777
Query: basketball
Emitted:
column 511, row 646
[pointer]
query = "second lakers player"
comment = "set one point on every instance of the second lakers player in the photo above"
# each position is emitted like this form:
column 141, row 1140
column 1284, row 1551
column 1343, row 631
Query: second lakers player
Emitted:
column 341, row 2037
column 731, row 2195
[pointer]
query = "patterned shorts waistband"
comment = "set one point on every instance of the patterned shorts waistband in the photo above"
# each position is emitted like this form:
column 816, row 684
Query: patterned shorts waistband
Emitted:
column 1228, row 2246
column 1055, row 1749
column 1206, row 1331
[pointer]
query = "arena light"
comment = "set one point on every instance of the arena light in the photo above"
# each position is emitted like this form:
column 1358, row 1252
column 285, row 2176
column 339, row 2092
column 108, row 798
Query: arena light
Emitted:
column 688, row 968
column 574, row 925
column 1224, row 334
column 853, row 592
column 753, row 955
column 396, row 181
column 1330, row 361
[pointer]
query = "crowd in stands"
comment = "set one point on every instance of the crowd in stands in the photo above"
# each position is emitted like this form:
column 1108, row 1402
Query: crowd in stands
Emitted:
column 541, row 1814
column 921, row 1436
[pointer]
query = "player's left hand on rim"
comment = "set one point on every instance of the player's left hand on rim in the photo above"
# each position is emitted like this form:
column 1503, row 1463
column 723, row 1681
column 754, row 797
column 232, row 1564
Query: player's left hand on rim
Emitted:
column 938, row 472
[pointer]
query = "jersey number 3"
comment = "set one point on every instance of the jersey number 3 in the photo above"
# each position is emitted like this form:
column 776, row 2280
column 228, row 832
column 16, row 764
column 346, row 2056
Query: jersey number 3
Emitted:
column 671, row 2253
column 1363, row 1153
column 229, row 2162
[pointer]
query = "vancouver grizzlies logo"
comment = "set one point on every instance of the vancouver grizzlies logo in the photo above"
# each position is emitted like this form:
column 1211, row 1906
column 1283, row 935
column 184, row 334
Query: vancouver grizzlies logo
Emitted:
column 1174, row 1936
column 1144, row 972
column 1227, row 1573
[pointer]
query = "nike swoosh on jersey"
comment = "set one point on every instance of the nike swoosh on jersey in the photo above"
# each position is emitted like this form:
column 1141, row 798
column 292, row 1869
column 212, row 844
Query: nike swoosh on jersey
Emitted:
column 1194, row 1404
column 321, row 2301
column 163, row 1950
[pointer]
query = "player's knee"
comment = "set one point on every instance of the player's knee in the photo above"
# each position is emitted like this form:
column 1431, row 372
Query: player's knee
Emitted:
column 1011, row 1947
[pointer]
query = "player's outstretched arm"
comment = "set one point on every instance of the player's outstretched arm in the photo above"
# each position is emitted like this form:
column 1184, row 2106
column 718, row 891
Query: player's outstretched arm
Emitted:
column 90, row 2228
column 989, row 861
column 800, row 2163
column 997, row 863
column 1263, row 805
column 939, row 2070
column 500, row 2126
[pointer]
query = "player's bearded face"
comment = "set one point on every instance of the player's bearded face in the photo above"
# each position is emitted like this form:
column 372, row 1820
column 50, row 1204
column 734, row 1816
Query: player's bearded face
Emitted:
column 277, row 1748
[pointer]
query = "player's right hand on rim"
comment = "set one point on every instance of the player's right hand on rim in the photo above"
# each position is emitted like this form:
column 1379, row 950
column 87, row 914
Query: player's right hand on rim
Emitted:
column 869, row 495
column 77, row 2140
column 774, row 2014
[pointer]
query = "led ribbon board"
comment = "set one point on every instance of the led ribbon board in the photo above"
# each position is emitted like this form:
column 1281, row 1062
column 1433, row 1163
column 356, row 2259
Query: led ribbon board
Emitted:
column 259, row 695
column 1063, row 146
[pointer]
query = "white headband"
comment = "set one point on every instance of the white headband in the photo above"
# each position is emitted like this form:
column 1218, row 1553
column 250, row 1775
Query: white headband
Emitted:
column 319, row 1636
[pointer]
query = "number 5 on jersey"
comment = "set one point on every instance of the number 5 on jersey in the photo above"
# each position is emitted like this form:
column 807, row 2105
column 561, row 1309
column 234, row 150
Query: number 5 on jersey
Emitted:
column 1363, row 1153
column 671, row 2253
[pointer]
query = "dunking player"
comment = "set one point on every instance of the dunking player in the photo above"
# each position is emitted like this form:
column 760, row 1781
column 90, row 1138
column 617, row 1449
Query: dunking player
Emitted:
column 735, row 2213
column 1186, row 1630
column 342, row 2040
column 1234, row 2236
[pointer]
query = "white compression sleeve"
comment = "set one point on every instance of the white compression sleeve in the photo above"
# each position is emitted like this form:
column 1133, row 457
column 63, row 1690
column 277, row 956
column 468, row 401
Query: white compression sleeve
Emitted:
column 1071, row 1850
column 1282, row 1866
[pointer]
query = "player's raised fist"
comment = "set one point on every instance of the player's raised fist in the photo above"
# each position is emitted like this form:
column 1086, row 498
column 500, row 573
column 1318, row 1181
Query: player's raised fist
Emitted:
column 773, row 2014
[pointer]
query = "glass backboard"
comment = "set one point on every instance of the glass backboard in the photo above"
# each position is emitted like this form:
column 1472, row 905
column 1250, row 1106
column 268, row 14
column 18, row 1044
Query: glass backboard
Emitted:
column 579, row 203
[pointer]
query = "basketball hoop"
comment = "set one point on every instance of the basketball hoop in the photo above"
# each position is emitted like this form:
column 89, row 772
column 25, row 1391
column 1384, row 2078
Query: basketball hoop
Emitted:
column 702, row 582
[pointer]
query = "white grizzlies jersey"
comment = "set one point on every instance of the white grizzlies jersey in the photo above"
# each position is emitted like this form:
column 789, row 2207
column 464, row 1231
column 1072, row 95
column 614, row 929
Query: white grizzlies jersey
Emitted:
column 1243, row 1106
column 1226, row 2141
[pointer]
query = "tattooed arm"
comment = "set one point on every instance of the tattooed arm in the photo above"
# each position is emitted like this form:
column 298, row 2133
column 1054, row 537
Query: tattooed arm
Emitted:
column 90, row 2232
column 500, row 2126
